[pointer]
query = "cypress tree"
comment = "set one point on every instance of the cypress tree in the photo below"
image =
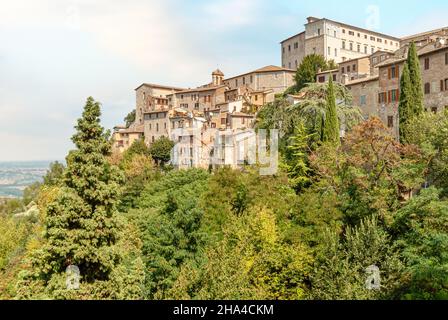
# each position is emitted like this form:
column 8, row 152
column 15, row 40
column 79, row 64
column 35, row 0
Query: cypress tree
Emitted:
column 405, row 107
column 331, row 123
column 416, row 80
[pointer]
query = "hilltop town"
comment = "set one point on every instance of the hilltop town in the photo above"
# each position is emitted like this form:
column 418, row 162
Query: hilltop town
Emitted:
column 369, row 64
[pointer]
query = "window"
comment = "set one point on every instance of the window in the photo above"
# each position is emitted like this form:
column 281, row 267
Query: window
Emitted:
column 322, row 79
column 335, row 52
column 296, row 64
column 427, row 88
column 359, row 35
column 351, row 33
column 283, row 50
column 236, row 82
column 296, row 45
column 256, row 97
column 157, row 127
column 196, row 105
column 329, row 51
column 365, row 49
column 372, row 38
column 365, row 36
column 165, row 125
column 363, row 100
column 434, row 109
column 343, row 44
column 382, row 97
column 244, row 80
column 335, row 34
column 426, row 63
column 334, row 77
column 393, row 72
column 379, row 40
column 359, row 48
column 390, row 121
column 394, row 95
column 343, row 70
column 351, row 46
column 343, row 30
column 318, row 32
column 348, row 69
column 446, row 58
column 252, row 77
column 354, row 68
column 289, row 47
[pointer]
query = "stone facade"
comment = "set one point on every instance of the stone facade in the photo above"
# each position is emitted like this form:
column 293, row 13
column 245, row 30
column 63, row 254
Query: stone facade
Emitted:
column 365, row 92
column 268, row 78
column 123, row 138
column 151, row 97
column 334, row 41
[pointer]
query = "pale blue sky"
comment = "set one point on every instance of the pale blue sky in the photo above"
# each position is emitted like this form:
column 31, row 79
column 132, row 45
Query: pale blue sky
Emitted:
column 55, row 53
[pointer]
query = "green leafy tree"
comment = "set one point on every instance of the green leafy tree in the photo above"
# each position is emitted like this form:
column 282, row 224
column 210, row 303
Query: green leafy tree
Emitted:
column 314, row 108
column 370, row 172
column 169, row 220
column 54, row 174
column 330, row 132
column 340, row 270
column 416, row 80
column 160, row 150
column 130, row 118
column 429, row 132
column 307, row 71
column 82, row 227
column 422, row 229
column 252, row 261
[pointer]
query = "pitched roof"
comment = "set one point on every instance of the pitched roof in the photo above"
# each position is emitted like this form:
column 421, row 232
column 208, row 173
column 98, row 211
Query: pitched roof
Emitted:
column 153, row 85
column 362, row 80
column 201, row 89
column 266, row 69
column 401, row 54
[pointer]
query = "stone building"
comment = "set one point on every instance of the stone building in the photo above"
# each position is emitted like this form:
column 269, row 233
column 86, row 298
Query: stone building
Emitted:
column 424, row 38
column 152, row 97
column 123, row 138
column 434, row 69
column 334, row 41
column 267, row 78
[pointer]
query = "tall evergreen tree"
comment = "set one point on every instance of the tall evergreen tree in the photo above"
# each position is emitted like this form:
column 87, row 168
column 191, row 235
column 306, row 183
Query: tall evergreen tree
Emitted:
column 81, row 225
column 416, row 80
column 405, row 107
column 330, row 132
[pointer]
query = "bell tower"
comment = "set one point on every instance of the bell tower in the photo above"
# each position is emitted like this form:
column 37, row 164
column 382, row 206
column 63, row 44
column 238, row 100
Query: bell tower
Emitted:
column 217, row 77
